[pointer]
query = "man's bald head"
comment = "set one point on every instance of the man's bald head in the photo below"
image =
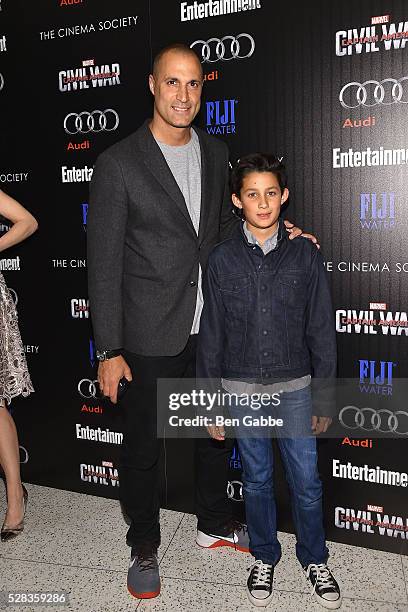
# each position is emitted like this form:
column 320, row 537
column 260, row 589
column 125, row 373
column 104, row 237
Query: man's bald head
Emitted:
column 180, row 48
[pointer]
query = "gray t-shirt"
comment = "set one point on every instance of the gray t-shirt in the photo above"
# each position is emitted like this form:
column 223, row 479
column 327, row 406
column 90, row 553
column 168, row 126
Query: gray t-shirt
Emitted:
column 185, row 164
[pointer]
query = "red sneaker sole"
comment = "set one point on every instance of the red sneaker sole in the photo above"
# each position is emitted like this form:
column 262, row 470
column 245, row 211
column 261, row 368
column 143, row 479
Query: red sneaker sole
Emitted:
column 220, row 543
column 148, row 595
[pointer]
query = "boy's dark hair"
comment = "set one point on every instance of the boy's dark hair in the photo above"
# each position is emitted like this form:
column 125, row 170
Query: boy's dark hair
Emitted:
column 257, row 162
column 177, row 46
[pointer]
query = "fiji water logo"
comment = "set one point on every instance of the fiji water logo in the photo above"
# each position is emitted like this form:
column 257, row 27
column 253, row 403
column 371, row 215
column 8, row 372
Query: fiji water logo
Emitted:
column 84, row 210
column 377, row 211
column 376, row 376
column 235, row 459
column 221, row 117
column 92, row 353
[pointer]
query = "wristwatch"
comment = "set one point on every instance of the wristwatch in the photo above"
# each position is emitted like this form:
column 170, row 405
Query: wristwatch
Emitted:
column 104, row 355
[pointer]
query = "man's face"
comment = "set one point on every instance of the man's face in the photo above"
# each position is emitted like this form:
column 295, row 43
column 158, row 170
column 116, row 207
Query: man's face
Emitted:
column 261, row 200
column 177, row 88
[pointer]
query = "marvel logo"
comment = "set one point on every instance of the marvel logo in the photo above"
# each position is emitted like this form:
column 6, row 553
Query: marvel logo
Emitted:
column 372, row 508
column 378, row 306
column 380, row 19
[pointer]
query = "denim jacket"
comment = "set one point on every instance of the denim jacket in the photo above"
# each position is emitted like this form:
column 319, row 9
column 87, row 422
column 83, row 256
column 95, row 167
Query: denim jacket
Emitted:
column 266, row 317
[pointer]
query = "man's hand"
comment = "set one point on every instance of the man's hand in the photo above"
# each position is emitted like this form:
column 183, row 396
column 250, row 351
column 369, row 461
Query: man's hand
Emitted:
column 294, row 232
column 216, row 432
column 109, row 374
column 320, row 424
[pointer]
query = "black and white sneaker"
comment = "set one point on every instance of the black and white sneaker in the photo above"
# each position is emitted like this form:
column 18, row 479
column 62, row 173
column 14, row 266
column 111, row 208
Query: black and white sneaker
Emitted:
column 259, row 584
column 325, row 588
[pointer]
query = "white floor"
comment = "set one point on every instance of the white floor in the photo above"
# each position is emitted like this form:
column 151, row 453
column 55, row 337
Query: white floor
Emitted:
column 75, row 543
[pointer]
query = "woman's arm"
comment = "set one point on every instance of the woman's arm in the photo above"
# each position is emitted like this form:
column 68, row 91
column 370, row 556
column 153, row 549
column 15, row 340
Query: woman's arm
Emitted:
column 24, row 224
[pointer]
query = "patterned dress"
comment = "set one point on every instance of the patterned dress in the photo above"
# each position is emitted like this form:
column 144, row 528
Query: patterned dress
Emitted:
column 14, row 377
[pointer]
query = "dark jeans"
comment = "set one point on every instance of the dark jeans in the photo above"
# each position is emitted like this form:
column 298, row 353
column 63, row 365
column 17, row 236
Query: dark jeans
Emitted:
column 299, row 455
column 139, row 490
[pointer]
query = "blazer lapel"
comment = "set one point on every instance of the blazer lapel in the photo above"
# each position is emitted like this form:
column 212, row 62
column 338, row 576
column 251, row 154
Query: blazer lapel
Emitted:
column 156, row 163
column 207, row 175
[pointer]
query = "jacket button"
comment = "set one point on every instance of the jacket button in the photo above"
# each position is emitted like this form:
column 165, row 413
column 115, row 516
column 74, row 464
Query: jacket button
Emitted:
column 265, row 332
column 192, row 283
column 263, row 287
column 265, row 354
column 263, row 309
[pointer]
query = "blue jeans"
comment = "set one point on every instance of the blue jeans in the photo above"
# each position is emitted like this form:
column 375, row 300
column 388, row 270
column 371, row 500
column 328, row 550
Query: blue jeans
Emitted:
column 299, row 455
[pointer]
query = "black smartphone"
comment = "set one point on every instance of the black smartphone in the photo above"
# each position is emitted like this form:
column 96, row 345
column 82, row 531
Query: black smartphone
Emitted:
column 123, row 386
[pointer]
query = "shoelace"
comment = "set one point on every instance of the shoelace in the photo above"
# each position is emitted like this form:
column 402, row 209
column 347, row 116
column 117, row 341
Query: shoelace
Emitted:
column 235, row 527
column 262, row 574
column 323, row 575
column 145, row 559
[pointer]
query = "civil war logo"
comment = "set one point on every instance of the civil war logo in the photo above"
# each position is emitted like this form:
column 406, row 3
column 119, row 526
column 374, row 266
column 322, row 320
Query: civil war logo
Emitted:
column 80, row 308
column 106, row 474
column 221, row 116
column 376, row 320
column 89, row 75
column 372, row 521
column 381, row 34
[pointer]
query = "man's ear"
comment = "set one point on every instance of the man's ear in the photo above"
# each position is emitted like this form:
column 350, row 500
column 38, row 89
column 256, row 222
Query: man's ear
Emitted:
column 236, row 201
column 151, row 83
column 284, row 196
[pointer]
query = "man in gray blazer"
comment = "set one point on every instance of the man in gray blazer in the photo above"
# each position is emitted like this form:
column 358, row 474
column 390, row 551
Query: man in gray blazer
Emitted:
column 163, row 193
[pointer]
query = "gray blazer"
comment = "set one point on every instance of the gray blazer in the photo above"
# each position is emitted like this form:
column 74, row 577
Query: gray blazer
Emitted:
column 143, row 252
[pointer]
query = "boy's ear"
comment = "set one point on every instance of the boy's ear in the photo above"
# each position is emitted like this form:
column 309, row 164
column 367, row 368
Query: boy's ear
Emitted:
column 236, row 201
column 284, row 196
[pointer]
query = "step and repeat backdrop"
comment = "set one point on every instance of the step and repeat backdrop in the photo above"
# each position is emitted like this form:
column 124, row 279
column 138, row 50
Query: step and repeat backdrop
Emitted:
column 325, row 86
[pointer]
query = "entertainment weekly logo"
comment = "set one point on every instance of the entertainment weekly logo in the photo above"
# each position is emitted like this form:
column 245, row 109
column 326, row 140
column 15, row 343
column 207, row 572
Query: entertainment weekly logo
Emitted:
column 215, row 8
column 89, row 76
column 365, row 473
column 380, row 35
column 369, row 157
column 376, row 320
column 371, row 521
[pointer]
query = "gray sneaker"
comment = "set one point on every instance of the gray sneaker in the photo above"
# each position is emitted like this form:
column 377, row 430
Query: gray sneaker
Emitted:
column 143, row 580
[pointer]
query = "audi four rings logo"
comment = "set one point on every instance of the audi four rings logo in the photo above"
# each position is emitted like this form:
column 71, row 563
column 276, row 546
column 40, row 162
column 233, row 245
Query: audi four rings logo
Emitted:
column 234, row 490
column 95, row 121
column 380, row 92
column 369, row 419
column 89, row 389
column 1, row 81
column 226, row 48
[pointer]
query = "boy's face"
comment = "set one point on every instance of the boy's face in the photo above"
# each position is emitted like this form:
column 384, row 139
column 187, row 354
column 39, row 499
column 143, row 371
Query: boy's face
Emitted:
column 261, row 200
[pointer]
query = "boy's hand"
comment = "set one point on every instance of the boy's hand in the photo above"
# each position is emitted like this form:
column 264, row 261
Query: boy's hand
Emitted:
column 320, row 424
column 294, row 232
column 217, row 432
